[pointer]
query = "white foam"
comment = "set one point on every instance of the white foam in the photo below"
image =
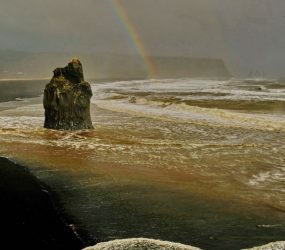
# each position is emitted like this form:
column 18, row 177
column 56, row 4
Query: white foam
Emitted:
column 115, row 95
column 275, row 175
column 186, row 113
column 230, row 90
column 155, row 86
column 20, row 122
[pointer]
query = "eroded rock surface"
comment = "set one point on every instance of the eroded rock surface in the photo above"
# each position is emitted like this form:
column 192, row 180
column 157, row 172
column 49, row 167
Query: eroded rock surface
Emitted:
column 140, row 244
column 67, row 99
column 279, row 245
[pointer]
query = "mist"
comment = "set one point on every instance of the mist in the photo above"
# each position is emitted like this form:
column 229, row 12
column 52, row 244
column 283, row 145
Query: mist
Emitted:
column 247, row 34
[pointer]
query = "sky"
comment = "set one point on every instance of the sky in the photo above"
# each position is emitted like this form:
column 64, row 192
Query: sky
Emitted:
column 248, row 34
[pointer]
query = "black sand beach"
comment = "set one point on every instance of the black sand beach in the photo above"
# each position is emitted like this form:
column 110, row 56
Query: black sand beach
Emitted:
column 29, row 219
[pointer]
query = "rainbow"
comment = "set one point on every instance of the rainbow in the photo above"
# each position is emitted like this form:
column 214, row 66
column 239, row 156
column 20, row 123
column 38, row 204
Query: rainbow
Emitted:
column 134, row 36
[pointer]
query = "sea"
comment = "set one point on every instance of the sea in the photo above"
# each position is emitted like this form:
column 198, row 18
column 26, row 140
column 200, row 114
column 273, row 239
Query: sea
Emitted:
column 200, row 162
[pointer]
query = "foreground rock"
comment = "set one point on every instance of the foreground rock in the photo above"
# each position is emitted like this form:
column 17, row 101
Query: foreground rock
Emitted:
column 140, row 244
column 29, row 218
column 279, row 245
column 67, row 99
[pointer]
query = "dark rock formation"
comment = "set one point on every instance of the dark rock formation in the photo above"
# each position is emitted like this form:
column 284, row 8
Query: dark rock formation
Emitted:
column 279, row 245
column 29, row 218
column 67, row 99
column 140, row 244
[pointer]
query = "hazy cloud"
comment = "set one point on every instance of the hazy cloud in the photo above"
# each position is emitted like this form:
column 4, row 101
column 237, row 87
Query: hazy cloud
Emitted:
column 248, row 34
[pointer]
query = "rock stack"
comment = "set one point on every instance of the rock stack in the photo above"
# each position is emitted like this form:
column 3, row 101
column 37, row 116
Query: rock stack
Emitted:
column 67, row 99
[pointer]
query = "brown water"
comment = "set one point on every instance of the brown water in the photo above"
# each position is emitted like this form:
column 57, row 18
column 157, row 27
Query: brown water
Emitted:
column 164, row 163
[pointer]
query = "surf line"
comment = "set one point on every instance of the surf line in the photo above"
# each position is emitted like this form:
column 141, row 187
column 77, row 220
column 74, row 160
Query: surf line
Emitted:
column 134, row 36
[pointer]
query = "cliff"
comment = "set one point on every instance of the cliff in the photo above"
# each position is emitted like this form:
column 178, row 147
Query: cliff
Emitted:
column 111, row 66
column 67, row 99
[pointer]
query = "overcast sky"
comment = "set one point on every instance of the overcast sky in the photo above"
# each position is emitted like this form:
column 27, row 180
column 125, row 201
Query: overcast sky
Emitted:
column 247, row 34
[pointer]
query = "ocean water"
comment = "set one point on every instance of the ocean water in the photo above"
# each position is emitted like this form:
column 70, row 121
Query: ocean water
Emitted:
column 200, row 162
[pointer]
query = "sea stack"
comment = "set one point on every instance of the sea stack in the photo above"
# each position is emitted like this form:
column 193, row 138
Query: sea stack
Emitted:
column 67, row 99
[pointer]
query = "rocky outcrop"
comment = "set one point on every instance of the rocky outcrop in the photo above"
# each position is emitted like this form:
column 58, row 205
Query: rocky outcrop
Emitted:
column 279, row 245
column 30, row 217
column 140, row 244
column 149, row 244
column 67, row 99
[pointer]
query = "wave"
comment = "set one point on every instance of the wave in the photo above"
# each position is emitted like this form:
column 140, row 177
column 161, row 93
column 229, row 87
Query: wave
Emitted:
column 226, row 103
column 191, row 88
column 185, row 113
column 264, row 178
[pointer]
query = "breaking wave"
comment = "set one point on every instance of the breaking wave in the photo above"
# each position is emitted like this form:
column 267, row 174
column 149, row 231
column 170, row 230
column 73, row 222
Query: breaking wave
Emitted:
column 207, row 102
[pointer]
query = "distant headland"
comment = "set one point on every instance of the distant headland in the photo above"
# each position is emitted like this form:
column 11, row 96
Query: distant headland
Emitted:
column 27, row 65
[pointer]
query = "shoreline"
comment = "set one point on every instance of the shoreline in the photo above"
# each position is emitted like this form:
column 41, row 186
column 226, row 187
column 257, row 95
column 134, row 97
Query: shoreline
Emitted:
column 23, row 79
column 41, row 212
column 29, row 217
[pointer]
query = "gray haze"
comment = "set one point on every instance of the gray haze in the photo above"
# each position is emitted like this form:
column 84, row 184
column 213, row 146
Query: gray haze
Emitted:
column 247, row 34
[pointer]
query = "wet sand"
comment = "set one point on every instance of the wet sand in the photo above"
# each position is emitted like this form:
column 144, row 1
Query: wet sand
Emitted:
column 29, row 219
